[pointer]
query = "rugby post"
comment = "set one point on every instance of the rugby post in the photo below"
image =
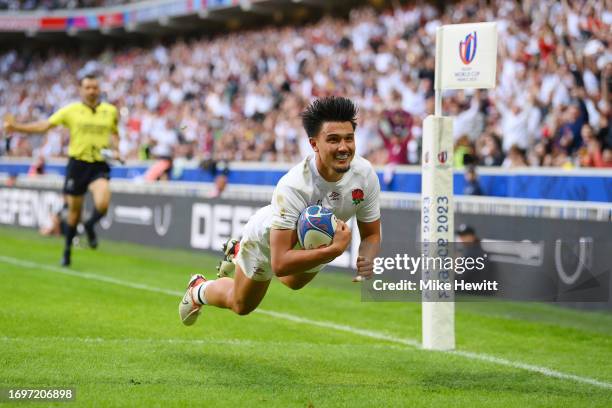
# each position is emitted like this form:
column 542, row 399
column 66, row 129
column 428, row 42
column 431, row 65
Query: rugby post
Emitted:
column 466, row 56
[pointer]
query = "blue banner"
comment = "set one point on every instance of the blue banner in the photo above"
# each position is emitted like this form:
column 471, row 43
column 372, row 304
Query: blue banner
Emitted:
column 571, row 186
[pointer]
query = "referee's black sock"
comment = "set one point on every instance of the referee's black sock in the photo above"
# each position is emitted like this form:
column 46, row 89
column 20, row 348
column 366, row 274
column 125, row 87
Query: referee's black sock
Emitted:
column 70, row 233
column 95, row 217
column 63, row 226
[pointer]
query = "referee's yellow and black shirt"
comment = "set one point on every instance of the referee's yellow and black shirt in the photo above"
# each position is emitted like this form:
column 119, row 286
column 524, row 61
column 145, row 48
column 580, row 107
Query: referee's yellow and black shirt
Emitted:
column 90, row 128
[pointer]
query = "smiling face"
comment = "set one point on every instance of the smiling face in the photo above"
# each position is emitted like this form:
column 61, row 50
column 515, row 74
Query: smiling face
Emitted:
column 335, row 148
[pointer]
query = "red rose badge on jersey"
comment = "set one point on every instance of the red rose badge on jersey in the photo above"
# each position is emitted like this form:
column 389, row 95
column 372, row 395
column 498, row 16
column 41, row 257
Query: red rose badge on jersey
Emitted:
column 357, row 196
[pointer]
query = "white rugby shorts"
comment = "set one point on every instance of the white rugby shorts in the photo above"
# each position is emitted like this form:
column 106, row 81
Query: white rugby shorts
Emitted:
column 254, row 254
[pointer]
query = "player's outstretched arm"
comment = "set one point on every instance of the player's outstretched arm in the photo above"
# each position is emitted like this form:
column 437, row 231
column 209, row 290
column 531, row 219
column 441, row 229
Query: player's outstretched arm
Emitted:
column 33, row 127
column 288, row 261
column 368, row 248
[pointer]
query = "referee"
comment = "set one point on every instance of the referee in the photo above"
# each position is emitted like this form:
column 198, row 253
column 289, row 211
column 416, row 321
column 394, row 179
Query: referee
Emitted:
column 93, row 138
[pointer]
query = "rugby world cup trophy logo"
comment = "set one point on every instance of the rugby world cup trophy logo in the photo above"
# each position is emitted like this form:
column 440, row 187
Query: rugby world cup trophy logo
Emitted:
column 467, row 48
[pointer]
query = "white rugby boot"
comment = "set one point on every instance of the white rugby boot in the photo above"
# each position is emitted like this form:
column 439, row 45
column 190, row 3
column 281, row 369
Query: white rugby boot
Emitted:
column 189, row 308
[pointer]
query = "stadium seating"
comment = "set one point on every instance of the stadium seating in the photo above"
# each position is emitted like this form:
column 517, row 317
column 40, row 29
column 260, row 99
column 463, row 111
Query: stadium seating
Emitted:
column 56, row 4
column 236, row 98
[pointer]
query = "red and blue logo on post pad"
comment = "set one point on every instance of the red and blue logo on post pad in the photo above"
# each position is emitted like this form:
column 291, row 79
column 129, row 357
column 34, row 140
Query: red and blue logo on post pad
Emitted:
column 467, row 48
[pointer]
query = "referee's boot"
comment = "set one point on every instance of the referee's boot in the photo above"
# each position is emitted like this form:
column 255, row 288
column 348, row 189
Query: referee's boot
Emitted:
column 227, row 267
column 92, row 238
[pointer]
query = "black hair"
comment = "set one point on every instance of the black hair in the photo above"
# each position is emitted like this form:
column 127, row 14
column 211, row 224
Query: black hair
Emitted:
column 87, row 76
column 328, row 109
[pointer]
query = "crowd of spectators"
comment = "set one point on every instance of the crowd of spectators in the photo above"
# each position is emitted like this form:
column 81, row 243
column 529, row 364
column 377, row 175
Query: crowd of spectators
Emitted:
column 238, row 96
column 31, row 5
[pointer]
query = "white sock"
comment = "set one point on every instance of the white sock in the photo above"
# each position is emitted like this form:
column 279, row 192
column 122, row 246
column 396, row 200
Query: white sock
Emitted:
column 200, row 292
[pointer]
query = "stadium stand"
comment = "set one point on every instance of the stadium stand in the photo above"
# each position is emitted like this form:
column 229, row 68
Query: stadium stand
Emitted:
column 56, row 4
column 236, row 96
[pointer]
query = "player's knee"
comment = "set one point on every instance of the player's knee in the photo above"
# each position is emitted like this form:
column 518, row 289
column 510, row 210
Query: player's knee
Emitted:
column 73, row 218
column 102, row 205
column 242, row 309
column 295, row 285
column 74, row 208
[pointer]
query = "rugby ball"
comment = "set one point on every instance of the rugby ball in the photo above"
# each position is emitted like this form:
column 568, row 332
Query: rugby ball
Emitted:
column 316, row 227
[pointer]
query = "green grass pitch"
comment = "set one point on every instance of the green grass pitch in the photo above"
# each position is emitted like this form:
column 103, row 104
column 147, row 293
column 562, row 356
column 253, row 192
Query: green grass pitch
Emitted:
column 111, row 330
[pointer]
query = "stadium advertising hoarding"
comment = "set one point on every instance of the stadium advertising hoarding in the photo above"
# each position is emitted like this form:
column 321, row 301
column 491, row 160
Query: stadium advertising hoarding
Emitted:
column 530, row 258
column 18, row 23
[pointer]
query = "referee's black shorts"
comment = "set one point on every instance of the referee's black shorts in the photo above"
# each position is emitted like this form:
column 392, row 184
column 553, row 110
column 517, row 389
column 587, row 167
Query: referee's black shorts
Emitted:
column 80, row 174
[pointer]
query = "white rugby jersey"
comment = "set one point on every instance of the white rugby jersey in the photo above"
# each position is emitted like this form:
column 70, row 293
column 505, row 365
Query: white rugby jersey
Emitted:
column 356, row 193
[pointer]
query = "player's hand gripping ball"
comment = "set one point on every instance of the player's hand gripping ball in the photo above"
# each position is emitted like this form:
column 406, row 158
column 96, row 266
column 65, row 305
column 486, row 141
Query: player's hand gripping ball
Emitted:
column 316, row 227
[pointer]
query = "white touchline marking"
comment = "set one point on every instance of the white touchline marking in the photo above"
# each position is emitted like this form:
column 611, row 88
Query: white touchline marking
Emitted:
column 530, row 367
column 198, row 342
column 128, row 340
column 340, row 327
column 329, row 325
column 86, row 275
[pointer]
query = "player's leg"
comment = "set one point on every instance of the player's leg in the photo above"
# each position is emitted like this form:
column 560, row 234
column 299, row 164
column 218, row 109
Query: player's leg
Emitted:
column 75, row 204
column 297, row 281
column 241, row 294
column 100, row 190
column 75, row 186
